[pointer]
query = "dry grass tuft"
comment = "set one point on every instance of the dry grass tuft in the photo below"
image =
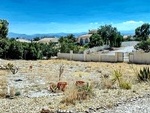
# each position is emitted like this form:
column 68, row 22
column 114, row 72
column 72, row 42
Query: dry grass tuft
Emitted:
column 3, row 83
column 118, row 77
column 70, row 95
column 77, row 93
column 107, row 84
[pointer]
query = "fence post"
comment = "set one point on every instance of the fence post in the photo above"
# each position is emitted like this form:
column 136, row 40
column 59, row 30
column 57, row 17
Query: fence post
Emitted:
column 99, row 57
column 116, row 56
column 71, row 54
column 58, row 54
column 84, row 55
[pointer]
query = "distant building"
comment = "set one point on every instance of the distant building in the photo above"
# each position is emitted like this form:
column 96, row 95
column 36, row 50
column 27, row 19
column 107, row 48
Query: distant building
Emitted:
column 128, row 37
column 47, row 40
column 84, row 39
column 23, row 40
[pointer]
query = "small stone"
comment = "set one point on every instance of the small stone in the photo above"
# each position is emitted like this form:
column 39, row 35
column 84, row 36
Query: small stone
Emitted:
column 17, row 80
column 7, row 96
column 11, row 97
column 46, row 111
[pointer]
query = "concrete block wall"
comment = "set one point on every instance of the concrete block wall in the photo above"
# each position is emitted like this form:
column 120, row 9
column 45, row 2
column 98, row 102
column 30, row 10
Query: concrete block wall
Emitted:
column 139, row 57
column 108, row 58
column 64, row 56
column 78, row 57
column 92, row 57
column 118, row 57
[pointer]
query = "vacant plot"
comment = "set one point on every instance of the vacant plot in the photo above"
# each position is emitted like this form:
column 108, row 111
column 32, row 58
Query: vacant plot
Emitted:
column 34, row 78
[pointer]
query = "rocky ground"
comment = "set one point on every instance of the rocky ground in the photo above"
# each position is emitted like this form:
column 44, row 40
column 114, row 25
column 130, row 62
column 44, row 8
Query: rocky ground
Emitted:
column 34, row 77
column 139, row 105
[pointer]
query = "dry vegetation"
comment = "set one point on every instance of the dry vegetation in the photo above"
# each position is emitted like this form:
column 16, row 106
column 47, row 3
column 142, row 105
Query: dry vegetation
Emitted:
column 105, row 84
column 3, row 83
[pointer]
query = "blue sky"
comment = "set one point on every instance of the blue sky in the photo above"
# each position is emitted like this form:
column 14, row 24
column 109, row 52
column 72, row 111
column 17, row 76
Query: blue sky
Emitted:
column 70, row 16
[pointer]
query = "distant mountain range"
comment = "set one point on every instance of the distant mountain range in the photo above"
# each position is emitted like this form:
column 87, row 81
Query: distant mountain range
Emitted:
column 25, row 36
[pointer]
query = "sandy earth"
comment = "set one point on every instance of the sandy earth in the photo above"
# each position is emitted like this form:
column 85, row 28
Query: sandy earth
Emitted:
column 34, row 83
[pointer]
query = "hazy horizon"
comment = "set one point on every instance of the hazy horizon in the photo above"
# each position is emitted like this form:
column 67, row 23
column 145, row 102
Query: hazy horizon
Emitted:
column 72, row 16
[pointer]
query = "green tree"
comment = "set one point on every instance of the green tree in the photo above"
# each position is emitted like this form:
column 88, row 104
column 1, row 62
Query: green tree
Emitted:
column 143, row 45
column 15, row 50
column 49, row 49
column 25, row 49
column 4, row 47
column 109, row 34
column 142, row 32
column 31, row 52
column 118, row 40
column 68, row 43
column 95, row 40
column 71, row 38
column 3, row 28
column 36, row 39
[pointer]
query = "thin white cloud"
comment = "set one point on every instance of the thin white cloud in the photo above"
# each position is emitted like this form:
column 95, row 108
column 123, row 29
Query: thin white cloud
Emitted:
column 94, row 23
column 128, row 25
column 133, row 22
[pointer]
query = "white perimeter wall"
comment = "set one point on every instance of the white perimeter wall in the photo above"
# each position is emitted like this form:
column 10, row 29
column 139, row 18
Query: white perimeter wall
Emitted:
column 64, row 56
column 78, row 57
column 139, row 57
column 108, row 58
column 118, row 57
column 134, row 57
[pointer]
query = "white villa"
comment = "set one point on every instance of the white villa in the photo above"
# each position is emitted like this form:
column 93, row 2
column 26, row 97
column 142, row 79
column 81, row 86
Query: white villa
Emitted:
column 84, row 39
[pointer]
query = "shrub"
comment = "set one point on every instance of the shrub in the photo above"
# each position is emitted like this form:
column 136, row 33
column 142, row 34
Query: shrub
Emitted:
column 77, row 93
column 53, row 87
column 12, row 68
column 118, row 77
column 12, row 91
column 61, row 70
column 144, row 74
column 84, row 91
column 125, row 85
column 3, row 83
column 144, row 45
column 70, row 96
column 107, row 83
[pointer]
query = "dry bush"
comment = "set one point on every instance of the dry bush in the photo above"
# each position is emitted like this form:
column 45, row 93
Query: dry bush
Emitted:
column 12, row 92
column 115, row 81
column 107, row 84
column 70, row 95
column 125, row 85
column 77, row 93
column 53, row 87
column 85, row 91
column 3, row 83
column 61, row 70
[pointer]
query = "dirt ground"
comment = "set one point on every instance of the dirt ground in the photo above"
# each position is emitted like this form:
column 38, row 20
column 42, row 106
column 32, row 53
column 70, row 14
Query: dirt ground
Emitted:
column 34, row 78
